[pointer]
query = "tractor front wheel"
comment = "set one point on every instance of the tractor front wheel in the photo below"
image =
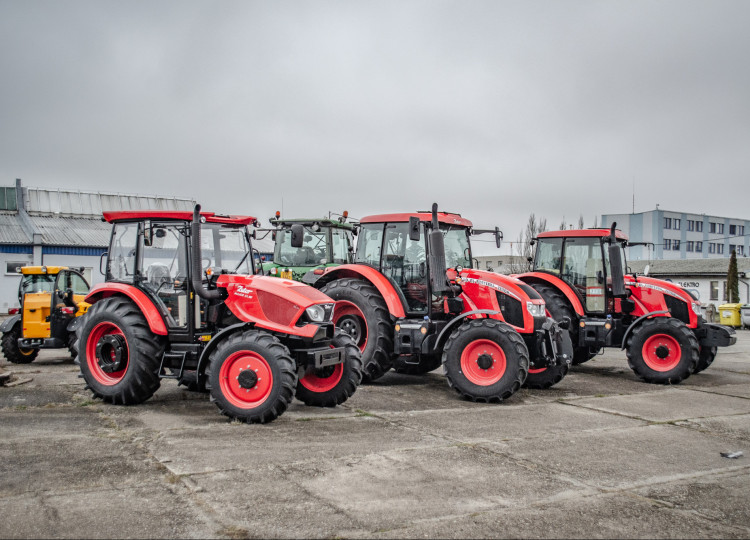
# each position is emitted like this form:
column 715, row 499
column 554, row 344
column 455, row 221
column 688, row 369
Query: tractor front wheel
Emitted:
column 485, row 360
column 118, row 354
column 705, row 358
column 663, row 350
column 251, row 377
column 362, row 313
column 11, row 350
column 332, row 385
column 543, row 378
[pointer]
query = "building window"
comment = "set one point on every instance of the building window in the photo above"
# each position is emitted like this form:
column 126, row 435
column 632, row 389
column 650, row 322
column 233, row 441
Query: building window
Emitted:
column 689, row 245
column 733, row 229
column 712, row 228
column 741, row 230
column 12, row 267
column 720, row 249
column 676, row 245
column 667, row 223
column 698, row 226
column 676, row 224
column 711, row 247
column 8, row 198
column 714, row 290
column 667, row 244
column 741, row 251
column 699, row 247
column 690, row 225
column 720, row 228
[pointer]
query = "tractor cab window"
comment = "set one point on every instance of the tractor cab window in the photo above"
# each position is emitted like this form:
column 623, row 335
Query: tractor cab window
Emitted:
column 457, row 251
column 70, row 289
column 340, row 246
column 404, row 261
column 583, row 268
column 549, row 255
column 37, row 283
column 226, row 247
column 369, row 243
column 121, row 259
column 312, row 253
column 164, row 268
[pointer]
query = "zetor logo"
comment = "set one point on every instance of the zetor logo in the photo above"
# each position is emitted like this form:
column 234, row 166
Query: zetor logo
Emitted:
column 243, row 291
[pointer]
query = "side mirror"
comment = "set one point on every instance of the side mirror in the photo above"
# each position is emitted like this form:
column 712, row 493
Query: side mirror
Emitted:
column 101, row 262
column 618, row 278
column 414, row 229
column 498, row 237
column 298, row 235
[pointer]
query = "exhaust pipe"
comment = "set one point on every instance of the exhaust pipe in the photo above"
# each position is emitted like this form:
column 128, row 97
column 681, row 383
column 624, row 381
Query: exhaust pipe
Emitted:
column 438, row 279
column 195, row 253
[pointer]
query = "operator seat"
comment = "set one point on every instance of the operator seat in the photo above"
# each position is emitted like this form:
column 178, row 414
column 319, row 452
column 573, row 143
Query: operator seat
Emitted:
column 158, row 275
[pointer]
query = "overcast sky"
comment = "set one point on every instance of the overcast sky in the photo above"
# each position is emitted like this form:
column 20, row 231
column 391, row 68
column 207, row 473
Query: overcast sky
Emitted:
column 492, row 109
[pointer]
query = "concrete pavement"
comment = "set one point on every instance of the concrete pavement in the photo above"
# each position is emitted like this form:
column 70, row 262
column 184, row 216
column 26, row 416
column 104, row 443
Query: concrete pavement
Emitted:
column 600, row 455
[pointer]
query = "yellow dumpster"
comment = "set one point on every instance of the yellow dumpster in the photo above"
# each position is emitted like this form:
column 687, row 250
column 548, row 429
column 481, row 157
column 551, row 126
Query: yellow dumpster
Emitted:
column 730, row 314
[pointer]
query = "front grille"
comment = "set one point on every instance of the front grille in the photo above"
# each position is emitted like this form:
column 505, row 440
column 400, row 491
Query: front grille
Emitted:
column 678, row 308
column 511, row 308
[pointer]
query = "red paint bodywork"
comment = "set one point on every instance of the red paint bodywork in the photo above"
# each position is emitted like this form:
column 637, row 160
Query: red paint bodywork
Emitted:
column 478, row 292
column 211, row 217
column 144, row 303
column 557, row 283
column 271, row 303
column 578, row 233
column 443, row 217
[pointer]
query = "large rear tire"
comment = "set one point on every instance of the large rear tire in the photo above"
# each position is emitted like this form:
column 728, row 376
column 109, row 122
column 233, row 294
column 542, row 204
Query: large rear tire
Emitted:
column 559, row 308
column 362, row 313
column 332, row 385
column 251, row 377
column 119, row 356
column 663, row 350
column 485, row 360
column 13, row 353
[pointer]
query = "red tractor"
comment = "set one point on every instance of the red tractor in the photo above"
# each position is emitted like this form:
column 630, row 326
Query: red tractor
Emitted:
column 413, row 300
column 181, row 300
column 580, row 274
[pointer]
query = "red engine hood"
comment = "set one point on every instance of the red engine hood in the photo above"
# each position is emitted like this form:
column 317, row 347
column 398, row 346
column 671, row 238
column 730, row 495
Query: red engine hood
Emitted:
column 648, row 286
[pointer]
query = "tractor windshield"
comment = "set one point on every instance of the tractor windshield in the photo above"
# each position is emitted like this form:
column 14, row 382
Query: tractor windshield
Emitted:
column 227, row 247
column 457, row 250
column 38, row 283
column 312, row 253
column 549, row 255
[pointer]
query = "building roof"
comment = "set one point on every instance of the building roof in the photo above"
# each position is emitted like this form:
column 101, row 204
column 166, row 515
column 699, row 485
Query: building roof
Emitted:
column 72, row 231
column 689, row 267
column 60, row 202
column 11, row 230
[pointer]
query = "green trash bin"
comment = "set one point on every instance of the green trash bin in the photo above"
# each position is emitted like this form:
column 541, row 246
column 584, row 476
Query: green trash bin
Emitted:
column 730, row 315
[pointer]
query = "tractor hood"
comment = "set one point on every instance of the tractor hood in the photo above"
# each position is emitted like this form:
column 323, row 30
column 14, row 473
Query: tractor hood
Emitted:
column 273, row 303
column 653, row 288
column 481, row 282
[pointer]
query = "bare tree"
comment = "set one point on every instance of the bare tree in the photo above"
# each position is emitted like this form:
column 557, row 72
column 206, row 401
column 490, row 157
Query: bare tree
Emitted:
column 563, row 225
column 580, row 221
column 523, row 248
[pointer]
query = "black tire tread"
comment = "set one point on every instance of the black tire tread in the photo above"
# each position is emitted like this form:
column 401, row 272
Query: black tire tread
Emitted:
column 352, row 377
column 661, row 325
column 11, row 350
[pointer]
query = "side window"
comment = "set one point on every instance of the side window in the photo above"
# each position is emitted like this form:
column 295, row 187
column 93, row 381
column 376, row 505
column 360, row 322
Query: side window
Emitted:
column 405, row 263
column 121, row 260
column 164, row 269
column 548, row 253
column 583, row 268
column 369, row 243
column 340, row 245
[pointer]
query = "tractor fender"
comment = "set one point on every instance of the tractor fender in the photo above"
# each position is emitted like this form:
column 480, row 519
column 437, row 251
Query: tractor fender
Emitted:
column 74, row 324
column 636, row 323
column 216, row 341
column 144, row 303
column 376, row 278
column 9, row 323
column 443, row 333
column 557, row 283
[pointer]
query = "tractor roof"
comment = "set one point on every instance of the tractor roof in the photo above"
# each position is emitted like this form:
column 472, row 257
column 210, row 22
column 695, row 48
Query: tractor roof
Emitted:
column 443, row 217
column 588, row 233
column 323, row 222
column 182, row 215
column 37, row 270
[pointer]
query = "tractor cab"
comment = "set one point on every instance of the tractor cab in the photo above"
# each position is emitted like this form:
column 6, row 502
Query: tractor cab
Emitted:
column 586, row 260
column 304, row 245
column 50, row 298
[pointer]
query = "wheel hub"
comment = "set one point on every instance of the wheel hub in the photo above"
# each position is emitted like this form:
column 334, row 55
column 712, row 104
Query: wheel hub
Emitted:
column 485, row 361
column 112, row 353
column 247, row 379
column 662, row 351
column 350, row 326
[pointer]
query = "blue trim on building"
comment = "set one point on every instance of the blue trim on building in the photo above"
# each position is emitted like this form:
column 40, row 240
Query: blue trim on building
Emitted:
column 28, row 250
column 69, row 250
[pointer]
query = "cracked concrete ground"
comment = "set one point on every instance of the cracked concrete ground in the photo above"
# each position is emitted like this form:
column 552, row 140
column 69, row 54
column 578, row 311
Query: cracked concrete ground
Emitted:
column 600, row 455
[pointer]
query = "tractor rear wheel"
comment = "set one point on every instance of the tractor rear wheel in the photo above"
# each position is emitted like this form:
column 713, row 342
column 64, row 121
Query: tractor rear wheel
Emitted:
column 73, row 345
column 251, row 377
column 663, row 350
column 11, row 350
column 426, row 364
column 362, row 313
column 558, row 308
column 705, row 358
column 119, row 356
column 485, row 360
column 332, row 385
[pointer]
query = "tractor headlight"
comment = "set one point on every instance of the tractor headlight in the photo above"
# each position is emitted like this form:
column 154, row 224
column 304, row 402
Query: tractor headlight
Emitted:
column 696, row 307
column 536, row 310
column 320, row 313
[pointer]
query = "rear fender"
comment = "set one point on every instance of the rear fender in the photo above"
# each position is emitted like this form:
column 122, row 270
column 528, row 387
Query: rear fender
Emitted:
column 367, row 273
column 8, row 324
column 144, row 303
column 554, row 281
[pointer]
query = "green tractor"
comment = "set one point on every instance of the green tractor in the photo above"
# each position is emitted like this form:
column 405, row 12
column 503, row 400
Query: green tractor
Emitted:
column 303, row 248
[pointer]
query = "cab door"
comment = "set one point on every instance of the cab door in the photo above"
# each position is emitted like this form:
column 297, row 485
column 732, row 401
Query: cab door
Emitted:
column 70, row 290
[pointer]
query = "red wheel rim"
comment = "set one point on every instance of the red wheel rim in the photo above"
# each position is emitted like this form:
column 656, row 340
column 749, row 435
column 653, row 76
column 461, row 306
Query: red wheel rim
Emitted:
column 479, row 352
column 229, row 379
column 661, row 352
column 315, row 383
column 351, row 320
column 100, row 331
